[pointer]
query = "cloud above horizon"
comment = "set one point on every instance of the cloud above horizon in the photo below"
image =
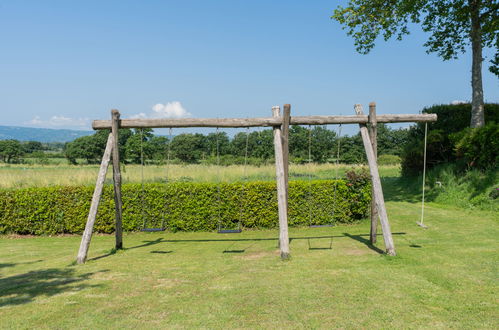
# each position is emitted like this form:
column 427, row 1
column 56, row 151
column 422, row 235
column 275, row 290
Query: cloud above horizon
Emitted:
column 456, row 102
column 60, row 122
column 169, row 110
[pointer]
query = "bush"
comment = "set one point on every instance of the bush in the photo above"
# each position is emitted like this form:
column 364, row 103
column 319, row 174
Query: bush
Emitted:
column 184, row 206
column 452, row 119
column 478, row 147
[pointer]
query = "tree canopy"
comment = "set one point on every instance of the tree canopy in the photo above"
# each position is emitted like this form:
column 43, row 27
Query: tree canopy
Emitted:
column 453, row 26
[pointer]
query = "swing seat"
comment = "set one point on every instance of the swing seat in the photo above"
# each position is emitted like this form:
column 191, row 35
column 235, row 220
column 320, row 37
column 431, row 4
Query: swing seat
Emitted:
column 150, row 230
column 320, row 226
column 229, row 231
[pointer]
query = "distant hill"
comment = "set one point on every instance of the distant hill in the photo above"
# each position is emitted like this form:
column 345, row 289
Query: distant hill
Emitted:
column 40, row 134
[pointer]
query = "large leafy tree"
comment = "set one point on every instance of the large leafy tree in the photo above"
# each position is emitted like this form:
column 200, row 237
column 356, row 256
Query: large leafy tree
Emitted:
column 10, row 150
column 453, row 25
column 189, row 148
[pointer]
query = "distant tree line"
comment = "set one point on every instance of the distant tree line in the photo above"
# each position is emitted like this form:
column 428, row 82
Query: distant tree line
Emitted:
column 318, row 143
column 13, row 151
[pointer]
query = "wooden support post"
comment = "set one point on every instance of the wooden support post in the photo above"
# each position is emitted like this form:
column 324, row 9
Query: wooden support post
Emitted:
column 376, row 182
column 92, row 214
column 285, row 144
column 117, row 179
column 373, row 135
column 281, row 188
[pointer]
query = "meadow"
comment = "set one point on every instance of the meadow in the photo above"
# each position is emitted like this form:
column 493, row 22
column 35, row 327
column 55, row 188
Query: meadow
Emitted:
column 22, row 175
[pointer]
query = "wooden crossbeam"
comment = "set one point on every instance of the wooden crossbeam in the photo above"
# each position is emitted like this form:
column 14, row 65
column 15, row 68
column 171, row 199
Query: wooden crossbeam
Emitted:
column 260, row 122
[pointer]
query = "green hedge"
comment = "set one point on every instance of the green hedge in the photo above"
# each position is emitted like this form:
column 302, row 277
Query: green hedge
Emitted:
column 452, row 119
column 184, row 206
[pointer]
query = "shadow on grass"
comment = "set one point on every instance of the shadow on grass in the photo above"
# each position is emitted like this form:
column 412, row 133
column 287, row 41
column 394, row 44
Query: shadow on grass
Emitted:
column 24, row 288
column 363, row 238
column 399, row 189
column 6, row 265
column 365, row 241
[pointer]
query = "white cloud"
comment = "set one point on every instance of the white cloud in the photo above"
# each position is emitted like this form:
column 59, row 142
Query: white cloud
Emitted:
column 139, row 116
column 456, row 102
column 60, row 122
column 169, row 110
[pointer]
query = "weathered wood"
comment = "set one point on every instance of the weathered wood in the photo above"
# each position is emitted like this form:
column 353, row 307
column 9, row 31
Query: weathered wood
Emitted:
column 376, row 182
column 117, row 180
column 361, row 119
column 407, row 118
column 373, row 135
column 260, row 122
column 285, row 144
column 190, row 122
column 281, row 189
column 94, row 206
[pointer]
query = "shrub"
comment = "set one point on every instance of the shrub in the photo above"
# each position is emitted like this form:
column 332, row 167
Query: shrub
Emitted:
column 478, row 147
column 452, row 119
column 185, row 206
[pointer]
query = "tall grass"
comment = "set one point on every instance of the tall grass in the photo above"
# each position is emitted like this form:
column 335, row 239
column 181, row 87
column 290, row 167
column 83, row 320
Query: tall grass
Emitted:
column 21, row 176
column 471, row 189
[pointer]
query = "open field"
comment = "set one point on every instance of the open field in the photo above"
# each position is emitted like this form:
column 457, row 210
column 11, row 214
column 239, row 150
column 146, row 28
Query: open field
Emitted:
column 21, row 176
column 443, row 277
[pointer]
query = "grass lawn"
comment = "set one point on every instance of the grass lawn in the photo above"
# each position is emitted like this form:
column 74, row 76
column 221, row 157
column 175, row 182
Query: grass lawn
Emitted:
column 443, row 277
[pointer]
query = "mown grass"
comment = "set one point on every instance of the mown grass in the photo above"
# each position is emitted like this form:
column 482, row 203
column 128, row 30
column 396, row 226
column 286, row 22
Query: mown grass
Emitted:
column 443, row 277
column 21, row 176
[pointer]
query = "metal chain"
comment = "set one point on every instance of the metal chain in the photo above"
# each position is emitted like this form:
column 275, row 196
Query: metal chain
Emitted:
column 336, row 172
column 219, row 182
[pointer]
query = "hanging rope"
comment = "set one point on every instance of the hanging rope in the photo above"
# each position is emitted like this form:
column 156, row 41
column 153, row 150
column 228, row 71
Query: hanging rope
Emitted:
column 421, row 223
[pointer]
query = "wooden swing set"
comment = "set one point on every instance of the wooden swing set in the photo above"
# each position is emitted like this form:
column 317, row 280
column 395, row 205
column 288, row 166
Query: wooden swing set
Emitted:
column 280, row 124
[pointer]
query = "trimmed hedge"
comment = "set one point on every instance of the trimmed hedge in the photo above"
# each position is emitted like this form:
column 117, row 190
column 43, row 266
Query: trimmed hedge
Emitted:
column 184, row 206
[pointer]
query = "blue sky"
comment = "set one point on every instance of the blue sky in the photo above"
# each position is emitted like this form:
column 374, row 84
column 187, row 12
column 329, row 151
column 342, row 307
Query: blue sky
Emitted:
column 64, row 63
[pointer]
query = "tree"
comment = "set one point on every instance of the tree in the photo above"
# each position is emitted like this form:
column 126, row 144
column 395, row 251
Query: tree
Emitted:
column 223, row 143
column 10, row 150
column 453, row 25
column 391, row 141
column 86, row 147
column 321, row 141
column 189, row 148
column 138, row 146
column 32, row 146
column 91, row 148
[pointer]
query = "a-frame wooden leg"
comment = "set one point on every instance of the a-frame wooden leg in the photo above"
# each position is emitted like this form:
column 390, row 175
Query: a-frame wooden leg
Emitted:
column 87, row 234
column 377, row 189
